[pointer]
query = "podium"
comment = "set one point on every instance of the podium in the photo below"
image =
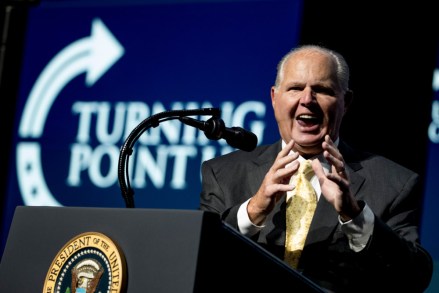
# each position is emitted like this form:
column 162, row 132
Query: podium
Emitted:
column 164, row 251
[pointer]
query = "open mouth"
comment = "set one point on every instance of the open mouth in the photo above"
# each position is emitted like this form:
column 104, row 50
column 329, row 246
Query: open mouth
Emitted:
column 309, row 119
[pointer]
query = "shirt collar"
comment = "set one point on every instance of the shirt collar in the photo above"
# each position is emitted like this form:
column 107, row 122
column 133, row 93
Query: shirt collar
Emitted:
column 320, row 157
column 325, row 165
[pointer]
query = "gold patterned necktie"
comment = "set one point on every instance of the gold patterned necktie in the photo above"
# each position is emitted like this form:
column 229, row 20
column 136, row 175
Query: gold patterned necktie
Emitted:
column 301, row 204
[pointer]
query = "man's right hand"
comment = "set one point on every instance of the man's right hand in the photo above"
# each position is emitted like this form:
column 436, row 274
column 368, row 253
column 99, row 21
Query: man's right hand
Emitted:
column 274, row 186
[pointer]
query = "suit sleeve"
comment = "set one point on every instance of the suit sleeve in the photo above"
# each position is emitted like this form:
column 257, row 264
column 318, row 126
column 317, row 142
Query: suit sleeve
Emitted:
column 212, row 197
column 394, row 248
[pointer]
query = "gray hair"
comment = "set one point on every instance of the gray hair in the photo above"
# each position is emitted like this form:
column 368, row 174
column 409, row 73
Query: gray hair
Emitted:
column 342, row 66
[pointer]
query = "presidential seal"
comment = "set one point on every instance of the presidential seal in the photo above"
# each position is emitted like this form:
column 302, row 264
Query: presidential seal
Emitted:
column 90, row 262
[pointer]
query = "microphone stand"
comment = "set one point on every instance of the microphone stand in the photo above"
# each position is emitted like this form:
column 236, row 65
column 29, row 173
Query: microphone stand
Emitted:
column 127, row 148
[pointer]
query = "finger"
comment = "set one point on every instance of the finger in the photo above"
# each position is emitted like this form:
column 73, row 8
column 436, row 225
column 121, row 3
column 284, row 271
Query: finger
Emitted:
column 336, row 161
column 342, row 182
column 287, row 149
column 285, row 156
column 283, row 167
column 318, row 168
column 329, row 146
column 338, row 168
column 283, row 174
column 334, row 157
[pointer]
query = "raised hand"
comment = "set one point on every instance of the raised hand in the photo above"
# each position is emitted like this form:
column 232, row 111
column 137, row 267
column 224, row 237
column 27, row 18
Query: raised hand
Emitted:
column 335, row 184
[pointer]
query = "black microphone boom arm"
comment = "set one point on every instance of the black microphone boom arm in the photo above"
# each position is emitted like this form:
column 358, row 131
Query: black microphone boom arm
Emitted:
column 213, row 128
column 127, row 148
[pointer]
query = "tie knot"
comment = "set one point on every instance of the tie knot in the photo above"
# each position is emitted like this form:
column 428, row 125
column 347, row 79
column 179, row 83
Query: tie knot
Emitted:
column 305, row 167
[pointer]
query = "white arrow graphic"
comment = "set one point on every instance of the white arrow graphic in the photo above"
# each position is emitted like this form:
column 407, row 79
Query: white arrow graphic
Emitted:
column 93, row 55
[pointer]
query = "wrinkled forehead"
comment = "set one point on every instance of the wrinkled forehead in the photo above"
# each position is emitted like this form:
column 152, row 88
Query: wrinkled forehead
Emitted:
column 312, row 59
column 311, row 67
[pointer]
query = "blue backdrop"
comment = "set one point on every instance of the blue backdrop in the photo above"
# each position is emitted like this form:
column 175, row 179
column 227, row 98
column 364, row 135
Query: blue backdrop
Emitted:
column 430, row 217
column 92, row 72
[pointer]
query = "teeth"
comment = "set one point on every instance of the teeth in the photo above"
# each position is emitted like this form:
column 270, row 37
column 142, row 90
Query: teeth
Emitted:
column 306, row 117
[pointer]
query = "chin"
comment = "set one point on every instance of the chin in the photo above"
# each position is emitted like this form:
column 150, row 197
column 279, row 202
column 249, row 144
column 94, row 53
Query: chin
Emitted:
column 310, row 140
column 311, row 149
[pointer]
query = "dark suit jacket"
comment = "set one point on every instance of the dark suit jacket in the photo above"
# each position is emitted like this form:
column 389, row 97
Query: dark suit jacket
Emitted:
column 393, row 260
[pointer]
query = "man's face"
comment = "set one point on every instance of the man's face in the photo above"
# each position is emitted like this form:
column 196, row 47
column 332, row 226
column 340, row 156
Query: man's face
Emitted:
column 308, row 102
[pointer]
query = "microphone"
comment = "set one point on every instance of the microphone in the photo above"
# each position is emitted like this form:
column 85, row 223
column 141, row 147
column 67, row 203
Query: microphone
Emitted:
column 215, row 129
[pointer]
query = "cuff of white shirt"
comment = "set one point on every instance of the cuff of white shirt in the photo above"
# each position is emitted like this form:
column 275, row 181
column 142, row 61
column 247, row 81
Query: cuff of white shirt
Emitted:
column 359, row 229
column 246, row 227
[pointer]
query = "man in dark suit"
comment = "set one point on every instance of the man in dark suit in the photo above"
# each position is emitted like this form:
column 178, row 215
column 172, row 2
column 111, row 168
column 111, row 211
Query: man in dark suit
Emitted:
column 364, row 232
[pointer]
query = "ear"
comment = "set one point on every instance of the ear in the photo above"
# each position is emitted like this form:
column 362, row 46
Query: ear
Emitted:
column 348, row 97
column 273, row 95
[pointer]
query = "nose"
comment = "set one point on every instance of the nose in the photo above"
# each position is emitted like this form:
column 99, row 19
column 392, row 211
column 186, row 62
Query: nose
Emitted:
column 307, row 96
